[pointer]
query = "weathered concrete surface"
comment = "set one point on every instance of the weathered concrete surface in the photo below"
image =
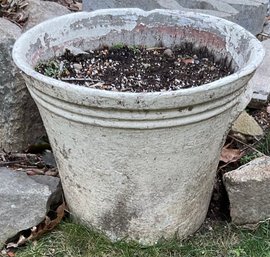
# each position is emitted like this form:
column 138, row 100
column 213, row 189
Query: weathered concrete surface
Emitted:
column 249, row 191
column 42, row 10
column 247, row 125
column 135, row 165
column 20, row 123
column 24, row 201
column 261, row 80
column 248, row 13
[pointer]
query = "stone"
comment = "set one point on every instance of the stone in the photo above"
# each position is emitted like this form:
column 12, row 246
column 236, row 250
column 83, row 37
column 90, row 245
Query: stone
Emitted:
column 261, row 80
column 54, row 185
column 251, row 14
column 20, row 123
column 24, row 201
column 43, row 10
column 266, row 28
column 247, row 125
column 239, row 11
column 48, row 159
column 248, row 191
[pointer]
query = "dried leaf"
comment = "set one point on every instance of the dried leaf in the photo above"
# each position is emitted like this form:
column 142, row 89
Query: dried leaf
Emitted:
column 34, row 171
column 48, row 224
column 11, row 254
column 22, row 240
column 230, row 154
column 77, row 6
column 44, row 227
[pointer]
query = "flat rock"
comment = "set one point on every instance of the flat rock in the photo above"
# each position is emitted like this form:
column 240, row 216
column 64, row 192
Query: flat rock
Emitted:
column 24, row 201
column 266, row 28
column 20, row 123
column 261, row 80
column 247, row 125
column 251, row 13
column 40, row 11
column 248, row 191
column 238, row 11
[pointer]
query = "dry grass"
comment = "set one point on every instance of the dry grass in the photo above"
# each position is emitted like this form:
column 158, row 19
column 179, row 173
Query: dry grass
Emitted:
column 14, row 10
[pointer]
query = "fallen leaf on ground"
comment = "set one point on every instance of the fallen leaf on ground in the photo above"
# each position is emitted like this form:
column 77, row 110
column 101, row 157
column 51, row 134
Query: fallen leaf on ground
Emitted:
column 48, row 224
column 75, row 7
column 11, row 254
column 230, row 154
column 39, row 230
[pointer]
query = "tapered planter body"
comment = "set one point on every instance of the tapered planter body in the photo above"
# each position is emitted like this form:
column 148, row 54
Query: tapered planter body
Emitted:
column 138, row 165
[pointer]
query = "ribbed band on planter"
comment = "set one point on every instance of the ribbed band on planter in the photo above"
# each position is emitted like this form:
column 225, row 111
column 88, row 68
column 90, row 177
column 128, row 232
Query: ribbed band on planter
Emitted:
column 139, row 165
column 134, row 118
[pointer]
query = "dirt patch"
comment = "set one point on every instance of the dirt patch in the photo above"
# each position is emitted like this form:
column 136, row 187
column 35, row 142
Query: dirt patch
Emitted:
column 137, row 68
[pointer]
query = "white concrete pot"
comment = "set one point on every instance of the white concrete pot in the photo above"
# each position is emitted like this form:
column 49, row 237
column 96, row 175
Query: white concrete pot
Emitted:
column 138, row 165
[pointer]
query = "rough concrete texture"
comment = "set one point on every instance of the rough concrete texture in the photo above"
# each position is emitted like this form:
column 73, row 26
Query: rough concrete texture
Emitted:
column 24, row 201
column 247, row 125
column 42, row 10
column 248, row 13
column 20, row 123
column 248, row 190
column 135, row 165
column 261, row 80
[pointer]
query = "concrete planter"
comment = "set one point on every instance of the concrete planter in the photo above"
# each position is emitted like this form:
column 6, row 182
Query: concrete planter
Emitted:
column 138, row 165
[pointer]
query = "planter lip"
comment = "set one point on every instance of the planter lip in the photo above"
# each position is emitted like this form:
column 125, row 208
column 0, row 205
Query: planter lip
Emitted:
column 26, row 68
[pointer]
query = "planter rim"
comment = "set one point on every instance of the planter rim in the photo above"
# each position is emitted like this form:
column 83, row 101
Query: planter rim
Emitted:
column 19, row 50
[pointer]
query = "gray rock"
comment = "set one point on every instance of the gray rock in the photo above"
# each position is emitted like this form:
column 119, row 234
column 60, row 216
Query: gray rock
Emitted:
column 261, row 80
column 248, row 191
column 55, row 187
column 251, row 14
column 248, row 13
column 266, row 28
column 48, row 158
column 20, row 123
column 24, row 201
column 42, row 10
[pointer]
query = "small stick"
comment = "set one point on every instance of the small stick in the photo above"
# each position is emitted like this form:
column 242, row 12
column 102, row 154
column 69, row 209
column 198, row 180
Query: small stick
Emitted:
column 263, row 34
column 23, row 155
column 82, row 80
column 2, row 164
column 155, row 48
column 241, row 142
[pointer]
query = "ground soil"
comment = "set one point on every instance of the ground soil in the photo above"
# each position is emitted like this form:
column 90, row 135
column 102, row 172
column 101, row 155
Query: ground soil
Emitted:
column 137, row 68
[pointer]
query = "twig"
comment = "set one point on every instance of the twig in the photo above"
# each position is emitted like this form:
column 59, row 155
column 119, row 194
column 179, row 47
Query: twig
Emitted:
column 23, row 155
column 82, row 80
column 2, row 164
column 155, row 48
column 249, row 146
column 264, row 34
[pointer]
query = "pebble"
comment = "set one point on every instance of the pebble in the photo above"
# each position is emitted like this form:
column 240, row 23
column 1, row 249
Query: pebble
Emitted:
column 146, row 65
column 168, row 52
column 77, row 66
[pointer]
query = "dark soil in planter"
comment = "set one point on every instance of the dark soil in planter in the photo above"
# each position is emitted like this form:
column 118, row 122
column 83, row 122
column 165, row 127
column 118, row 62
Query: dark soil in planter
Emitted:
column 137, row 68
